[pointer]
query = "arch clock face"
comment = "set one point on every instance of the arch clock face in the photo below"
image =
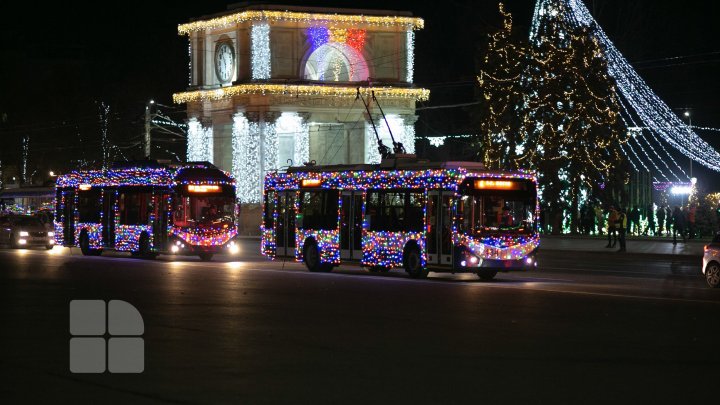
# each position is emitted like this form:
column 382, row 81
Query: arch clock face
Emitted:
column 224, row 62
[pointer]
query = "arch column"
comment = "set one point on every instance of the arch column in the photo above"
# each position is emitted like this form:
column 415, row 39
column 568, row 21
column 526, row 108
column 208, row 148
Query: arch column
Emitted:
column 246, row 161
column 200, row 140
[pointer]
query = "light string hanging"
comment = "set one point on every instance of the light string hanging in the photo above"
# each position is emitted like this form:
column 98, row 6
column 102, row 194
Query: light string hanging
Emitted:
column 650, row 109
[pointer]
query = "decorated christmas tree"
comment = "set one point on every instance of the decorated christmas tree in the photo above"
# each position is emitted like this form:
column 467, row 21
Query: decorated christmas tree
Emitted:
column 498, row 117
column 551, row 106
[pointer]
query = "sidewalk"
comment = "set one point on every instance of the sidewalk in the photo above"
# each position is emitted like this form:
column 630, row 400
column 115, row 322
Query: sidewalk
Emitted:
column 638, row 244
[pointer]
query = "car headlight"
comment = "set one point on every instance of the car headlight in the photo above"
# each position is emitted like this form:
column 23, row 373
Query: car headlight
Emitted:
column 51, row 234
column 24, row 233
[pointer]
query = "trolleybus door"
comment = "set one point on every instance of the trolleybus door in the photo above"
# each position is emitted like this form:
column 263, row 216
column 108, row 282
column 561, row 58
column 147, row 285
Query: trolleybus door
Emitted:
column 160, row 220
column 433, row 227
column 108, row 220
column 357, row 225
column 346, row 225
column 69, row 218
column 285, row 226
column 446, row 230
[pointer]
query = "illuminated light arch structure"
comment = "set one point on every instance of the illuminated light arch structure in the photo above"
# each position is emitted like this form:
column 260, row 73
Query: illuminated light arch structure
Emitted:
column 651, row 122
column 293, row 99
column 337, row 62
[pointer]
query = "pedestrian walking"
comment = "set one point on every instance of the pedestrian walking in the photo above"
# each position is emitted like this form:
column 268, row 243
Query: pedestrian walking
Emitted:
column 650, row 229
column 635, row 218
column 668, row 220
column 622, row 224
column 661, row 219
column 678, row 222
column 612, row 227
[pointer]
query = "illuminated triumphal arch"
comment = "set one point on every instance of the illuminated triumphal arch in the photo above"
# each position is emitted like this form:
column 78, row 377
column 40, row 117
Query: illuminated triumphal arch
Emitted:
column 270, row 87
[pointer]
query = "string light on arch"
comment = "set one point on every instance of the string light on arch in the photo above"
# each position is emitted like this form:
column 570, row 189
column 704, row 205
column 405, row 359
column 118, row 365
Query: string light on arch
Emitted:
column 309, row 19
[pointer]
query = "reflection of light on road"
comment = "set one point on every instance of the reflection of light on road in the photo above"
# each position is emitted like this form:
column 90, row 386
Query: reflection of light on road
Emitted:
column 178, row 265
column 55, row 251
column 21, row 252
column 234, row 269
column 234, row 265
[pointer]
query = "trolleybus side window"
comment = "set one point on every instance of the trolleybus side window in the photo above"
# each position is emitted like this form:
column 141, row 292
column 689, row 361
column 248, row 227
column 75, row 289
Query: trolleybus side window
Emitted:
column 318, row 209
column 269, row 210
column 134, row 208
column 89, row 206
column 394, row 211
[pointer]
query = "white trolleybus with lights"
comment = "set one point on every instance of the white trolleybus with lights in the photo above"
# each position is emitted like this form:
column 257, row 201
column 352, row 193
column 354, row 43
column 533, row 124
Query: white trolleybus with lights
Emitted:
column 403, row 213
column 148, row 209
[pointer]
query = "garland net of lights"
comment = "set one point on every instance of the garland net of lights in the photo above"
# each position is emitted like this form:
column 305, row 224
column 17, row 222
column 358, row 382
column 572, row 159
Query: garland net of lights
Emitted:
column 650, row 109
column 199, row 142
column 260, row 51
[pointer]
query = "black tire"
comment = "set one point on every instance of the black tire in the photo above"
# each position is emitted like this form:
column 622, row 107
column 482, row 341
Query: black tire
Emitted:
column 144, row 247
column 712, row 274
column 311, row 257
column 205, row 256
column 84, row 242
column 413, row 263
column 486, row 274
column 49, row 247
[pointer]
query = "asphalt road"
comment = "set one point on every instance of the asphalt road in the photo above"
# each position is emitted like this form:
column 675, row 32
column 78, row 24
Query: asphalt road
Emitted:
column 583, row 328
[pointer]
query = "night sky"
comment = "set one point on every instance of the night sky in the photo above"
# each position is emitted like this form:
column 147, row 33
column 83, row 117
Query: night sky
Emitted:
column 59, row 62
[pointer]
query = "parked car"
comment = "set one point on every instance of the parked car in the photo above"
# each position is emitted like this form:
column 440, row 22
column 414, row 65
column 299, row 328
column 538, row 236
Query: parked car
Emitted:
column 20, row 231
column 711, row 262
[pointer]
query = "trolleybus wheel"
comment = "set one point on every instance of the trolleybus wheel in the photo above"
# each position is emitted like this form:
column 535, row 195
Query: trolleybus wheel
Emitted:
column 413, row 263
column 144, row 247
column 84, row 243
column 486, row 274
column 311, row 257
column 205, row 256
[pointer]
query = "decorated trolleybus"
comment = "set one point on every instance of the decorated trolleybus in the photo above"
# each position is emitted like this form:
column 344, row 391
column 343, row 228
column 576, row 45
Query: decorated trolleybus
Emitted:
column 147, row 209
column 416, row 215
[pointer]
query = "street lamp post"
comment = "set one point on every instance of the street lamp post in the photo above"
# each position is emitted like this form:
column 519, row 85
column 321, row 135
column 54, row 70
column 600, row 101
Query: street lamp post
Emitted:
column 687, row 114
column 147, row 128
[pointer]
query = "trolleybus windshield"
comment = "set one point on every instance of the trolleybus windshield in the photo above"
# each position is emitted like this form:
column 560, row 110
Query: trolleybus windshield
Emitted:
column 204, row 210
column 502, row 208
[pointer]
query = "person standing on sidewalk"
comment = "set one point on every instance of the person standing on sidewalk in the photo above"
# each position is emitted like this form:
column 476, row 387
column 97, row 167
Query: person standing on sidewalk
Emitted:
column 612, row 227
column 691, row 221
column 678, row 220
column 622, row 224
column 650, row 230
column 599, row 219
column 668, row 220
column 661, row 219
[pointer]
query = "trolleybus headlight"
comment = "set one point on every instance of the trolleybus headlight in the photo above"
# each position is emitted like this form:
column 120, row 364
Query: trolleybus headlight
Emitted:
column 51, row 234
column 21, row 241
column 24, row 233
column 175, row 248
column 233, row 248
column 51, row 241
